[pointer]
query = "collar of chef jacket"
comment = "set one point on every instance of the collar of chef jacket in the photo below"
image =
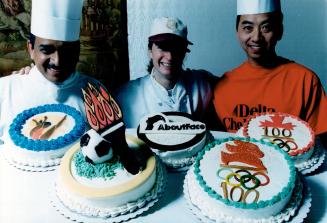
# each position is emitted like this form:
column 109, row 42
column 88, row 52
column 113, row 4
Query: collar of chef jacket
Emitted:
column 52, row 89
column 168, row 100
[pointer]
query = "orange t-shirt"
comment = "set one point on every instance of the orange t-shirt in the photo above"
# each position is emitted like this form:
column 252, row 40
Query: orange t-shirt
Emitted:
column 289, row 88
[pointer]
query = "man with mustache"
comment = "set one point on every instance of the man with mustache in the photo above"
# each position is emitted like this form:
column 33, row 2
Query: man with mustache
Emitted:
column 54, row 47
column 266, row 82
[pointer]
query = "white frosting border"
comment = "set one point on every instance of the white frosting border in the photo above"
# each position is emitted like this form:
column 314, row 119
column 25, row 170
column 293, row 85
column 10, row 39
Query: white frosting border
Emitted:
column 315, row 161
column 77, row 211
column 31, row 160
column 297, row 208
column 181, row 163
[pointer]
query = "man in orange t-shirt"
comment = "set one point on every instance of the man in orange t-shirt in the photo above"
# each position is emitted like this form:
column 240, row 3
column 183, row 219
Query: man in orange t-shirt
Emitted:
column 267, row 82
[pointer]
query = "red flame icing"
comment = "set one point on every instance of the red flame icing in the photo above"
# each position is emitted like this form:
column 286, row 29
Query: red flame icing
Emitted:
column 243, row 152
column 101, row 109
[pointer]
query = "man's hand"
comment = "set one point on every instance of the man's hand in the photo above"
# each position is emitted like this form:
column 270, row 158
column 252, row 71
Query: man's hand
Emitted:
column 24, row 70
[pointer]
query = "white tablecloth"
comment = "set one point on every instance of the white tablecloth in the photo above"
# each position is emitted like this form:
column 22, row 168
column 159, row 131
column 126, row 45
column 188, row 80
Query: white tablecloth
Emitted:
column 24, row 197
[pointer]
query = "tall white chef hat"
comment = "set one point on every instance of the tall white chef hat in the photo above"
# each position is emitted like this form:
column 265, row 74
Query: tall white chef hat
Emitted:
column 56, row 19
column 245, row 7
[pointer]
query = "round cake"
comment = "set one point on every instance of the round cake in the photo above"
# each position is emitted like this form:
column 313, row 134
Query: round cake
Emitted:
column 107, row 189
column 289, row 132
column 40, row 136
column 243, row 180
column 174, row 136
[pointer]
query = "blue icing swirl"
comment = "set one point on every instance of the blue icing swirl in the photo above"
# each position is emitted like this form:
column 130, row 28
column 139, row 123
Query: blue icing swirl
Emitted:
column 15, row 130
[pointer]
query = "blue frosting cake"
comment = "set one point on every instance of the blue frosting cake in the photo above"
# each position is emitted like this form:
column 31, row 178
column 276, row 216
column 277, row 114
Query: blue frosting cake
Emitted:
column 42, row 134
column 23, row 141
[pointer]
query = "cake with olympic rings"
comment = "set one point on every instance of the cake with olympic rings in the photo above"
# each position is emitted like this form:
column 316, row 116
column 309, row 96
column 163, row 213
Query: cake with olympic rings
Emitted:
column 290, row 133
column 243, row 180
column 39, row 136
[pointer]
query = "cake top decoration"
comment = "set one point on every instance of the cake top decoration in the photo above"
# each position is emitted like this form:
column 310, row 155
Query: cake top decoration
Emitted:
column 106, row 138
column 160, row 123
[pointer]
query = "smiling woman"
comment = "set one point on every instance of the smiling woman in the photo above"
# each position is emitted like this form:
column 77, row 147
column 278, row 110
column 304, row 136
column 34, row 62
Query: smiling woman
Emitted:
column 168, row 87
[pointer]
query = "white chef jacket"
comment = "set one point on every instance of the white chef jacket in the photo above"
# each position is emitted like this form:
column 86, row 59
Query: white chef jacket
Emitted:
column 191, row 94
column 21, row 92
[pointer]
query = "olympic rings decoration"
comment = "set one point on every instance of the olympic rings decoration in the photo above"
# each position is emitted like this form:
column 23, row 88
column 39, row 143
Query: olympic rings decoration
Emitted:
column 223, row 169
column 288, row 144
column 265, row 176
column 232, row 175
column 250, row 177
column 242, row 177
column 240, row 171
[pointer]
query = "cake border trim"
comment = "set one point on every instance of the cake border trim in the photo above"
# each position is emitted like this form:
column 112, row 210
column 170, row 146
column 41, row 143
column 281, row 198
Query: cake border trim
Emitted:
column 46, row 145
column 294, row 153
column 261, row 204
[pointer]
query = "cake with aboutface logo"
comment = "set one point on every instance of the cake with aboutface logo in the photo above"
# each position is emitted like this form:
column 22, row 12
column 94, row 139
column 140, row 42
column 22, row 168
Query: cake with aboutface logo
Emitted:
column 243, row 180
column 174, row 136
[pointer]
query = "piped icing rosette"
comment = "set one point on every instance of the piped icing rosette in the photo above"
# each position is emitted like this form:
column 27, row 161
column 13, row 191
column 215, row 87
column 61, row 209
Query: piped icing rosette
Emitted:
column 41, row 135
column 290, row 133
column 174, row 136
column 241, row 179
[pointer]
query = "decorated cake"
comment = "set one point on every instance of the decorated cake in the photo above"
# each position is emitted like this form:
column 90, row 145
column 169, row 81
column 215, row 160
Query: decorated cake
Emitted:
column 40, row 136
column 108, row 174
column 107, row 189
column 290, row 133
column 174, row 136
column 243, row 180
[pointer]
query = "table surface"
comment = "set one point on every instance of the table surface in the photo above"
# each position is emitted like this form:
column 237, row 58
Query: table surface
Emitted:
column 25, row 197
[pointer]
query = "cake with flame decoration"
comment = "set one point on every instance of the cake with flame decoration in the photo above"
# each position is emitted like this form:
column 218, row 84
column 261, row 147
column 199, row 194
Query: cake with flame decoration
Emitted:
column 243, row 180
column 108, row 174
column 288, row 132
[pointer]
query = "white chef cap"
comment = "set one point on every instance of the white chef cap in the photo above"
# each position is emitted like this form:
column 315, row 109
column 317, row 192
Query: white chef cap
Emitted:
column 165, row 28
column 56, row 19
column 245, row 7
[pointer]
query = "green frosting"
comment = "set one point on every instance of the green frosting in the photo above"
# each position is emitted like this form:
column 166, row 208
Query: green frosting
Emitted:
column 284, row 193
column 103, row 170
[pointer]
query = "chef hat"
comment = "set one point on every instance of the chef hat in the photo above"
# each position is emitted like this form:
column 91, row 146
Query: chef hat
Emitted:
column 245, row 7
column 56, row 19
column 165, row 28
